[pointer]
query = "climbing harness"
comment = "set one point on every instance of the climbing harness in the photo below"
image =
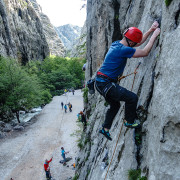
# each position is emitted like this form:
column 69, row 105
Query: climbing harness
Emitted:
column 135, row 72
column 106, row 88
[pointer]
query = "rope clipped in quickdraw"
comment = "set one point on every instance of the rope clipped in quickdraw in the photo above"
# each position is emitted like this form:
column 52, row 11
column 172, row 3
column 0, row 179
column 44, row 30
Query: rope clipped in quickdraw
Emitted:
column 135, row 72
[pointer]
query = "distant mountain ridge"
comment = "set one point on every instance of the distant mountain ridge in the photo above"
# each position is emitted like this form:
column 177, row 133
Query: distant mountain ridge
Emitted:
column 69, row 35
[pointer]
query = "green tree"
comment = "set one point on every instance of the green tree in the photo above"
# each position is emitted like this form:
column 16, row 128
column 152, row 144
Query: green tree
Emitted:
column 18, row 90
column 75, row 67
column 57, row 73
column 57, row 81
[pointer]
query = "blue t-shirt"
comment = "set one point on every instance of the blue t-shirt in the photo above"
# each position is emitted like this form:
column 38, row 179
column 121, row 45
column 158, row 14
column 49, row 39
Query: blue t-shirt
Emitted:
column 62, row 152
column 115, row 60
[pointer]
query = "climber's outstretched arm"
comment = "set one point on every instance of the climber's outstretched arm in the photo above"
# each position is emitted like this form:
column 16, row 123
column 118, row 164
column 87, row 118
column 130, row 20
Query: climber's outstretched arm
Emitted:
column 154, row 26
column 144, row 52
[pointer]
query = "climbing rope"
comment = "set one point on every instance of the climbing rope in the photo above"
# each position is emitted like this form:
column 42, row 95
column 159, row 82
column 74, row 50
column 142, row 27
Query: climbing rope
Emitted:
column 114, row 150
column 135, row 72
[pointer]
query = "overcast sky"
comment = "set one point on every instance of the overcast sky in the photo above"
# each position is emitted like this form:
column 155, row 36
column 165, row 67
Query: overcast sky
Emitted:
column 61, row 12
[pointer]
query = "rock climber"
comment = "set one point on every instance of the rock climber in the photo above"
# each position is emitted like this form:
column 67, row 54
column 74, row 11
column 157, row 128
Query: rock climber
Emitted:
column 113, row 67
column 47, row 169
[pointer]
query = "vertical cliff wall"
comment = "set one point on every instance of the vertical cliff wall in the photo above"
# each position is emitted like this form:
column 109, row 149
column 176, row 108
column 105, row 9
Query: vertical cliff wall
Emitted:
column 21, row 31
column 25, row 32
column 79, row 50
column 156, row 149
column 55, row 44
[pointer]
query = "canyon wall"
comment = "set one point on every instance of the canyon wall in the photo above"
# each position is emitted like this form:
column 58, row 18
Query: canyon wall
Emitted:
column 156, row 148
column 24, row 33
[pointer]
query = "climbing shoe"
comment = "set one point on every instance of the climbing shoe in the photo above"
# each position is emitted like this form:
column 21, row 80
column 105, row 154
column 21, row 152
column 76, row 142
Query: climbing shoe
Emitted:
column 106, row 134
column 133, row 125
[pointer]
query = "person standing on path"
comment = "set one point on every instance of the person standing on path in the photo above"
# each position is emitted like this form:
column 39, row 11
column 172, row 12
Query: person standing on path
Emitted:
column 62, row 104
column 47, row 169
column 65, row 108
column 63, row 154
column 113, row 67
column 73, row 91
column 65, row 91
column 70, row 107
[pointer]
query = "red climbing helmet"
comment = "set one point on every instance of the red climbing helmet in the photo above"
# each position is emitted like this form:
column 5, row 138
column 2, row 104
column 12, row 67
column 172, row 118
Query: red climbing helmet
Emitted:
column 133, row 34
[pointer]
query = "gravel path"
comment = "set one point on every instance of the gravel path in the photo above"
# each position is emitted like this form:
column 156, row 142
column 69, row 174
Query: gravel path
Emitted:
column 22, row 157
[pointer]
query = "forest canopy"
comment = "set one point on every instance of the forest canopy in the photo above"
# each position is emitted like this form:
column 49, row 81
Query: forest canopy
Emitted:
column 33, row 85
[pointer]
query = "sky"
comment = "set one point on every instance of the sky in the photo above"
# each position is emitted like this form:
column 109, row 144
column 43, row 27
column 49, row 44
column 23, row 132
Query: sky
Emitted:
column 61, row 12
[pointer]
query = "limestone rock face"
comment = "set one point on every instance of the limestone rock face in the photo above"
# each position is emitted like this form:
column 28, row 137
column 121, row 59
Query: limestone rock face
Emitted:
column 79, row 50
column 26, row 33
column 55, row 44
column 21, row 31
column 155, row 150
column 69, row 35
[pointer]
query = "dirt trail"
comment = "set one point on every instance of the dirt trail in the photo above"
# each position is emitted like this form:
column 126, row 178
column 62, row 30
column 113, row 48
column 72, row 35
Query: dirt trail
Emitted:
column 22, row 157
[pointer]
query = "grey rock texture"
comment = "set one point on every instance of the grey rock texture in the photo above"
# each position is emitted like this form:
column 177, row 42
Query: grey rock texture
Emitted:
column 55, row 44
column 26, row 33
column 2, row 124
column 18, row 128
column 21, row 31
column 79, row 50
column 69, row 35
column 157, row 85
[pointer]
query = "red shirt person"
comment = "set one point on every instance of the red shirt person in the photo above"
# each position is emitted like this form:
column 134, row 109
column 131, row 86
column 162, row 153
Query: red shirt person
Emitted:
column 47, row 169
column 46, row 164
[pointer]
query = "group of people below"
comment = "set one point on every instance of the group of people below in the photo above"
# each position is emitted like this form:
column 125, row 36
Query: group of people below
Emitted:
column 82, row 118
column 66, row 106
column 69, row 90
column 46, row 164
